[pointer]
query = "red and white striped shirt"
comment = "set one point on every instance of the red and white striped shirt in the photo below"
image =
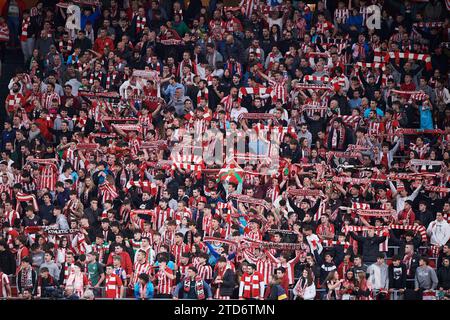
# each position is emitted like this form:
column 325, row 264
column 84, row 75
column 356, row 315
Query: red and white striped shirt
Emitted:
column 139, row 268
column 47, row 99
column 205, row 271
column 279, row 91
column 165, row 284
column 178, row 249
column 289, row 265
column 160, row 216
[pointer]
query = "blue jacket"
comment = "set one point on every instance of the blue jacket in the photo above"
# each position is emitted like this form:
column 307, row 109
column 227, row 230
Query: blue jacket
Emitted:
column 8, row 136
column 380, row 112
column 426, row 118
column 149, row 293
column 84, row 19
column 356, row 21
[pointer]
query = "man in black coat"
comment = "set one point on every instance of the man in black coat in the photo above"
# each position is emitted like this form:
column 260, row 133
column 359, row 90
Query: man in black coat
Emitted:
column 369, row 245
column 223, row 279
column 340, row 136
column 443, row 275
column 397, row 275
column 7, row 260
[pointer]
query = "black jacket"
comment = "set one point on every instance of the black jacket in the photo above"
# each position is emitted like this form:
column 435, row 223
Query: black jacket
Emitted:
column 401, row 242
column 7, row 262
column 348, row 139
column 34, row 282
column 369, row 246
column 397, row 276
column 443, row 275
column 315, row 126
column 227, row 287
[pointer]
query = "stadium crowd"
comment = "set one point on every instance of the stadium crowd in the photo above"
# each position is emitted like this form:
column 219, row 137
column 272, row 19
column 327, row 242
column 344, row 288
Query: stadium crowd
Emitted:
column 108, row 188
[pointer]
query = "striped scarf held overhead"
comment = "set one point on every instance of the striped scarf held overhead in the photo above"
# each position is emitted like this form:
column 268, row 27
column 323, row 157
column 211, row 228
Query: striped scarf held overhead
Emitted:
column 412, row 95
column 374, row 65
column 23, row 197
column 420, row 229
column 332, row 243
column 48, row 173
column 323, row 79
column 438, row 24
column 276, row 132
column 307, row 86
column 144, row 185
column 304, row 192
column 314, row 107
column 373, row 213
column 260, row 90
column 321, row 210
column 412, row 56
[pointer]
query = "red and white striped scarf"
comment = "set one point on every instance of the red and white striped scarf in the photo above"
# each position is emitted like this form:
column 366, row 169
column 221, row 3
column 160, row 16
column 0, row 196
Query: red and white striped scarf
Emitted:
column 227, row 103
column 25, row 25
column 202, row 94
column 65, row 46
column 256, row 51
column 307, row 86
column 140, row 23
column 22, row 197
column 110, row 78
column 144, row 185
column 248, row 6
column 412, row 56
column 429, row 24
column 323, row 79
column 95, row 75
column 260, row 90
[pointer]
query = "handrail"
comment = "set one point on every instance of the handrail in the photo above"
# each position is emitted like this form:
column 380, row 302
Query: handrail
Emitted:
column 395, row 295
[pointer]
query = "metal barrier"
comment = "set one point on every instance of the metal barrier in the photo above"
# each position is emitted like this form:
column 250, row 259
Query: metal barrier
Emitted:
column 395, row 295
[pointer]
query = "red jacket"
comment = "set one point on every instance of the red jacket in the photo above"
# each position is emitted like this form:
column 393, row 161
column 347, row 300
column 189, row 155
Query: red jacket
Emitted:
column 405, row 215
column 125, row 262
column 100, row 44
column 44, row 126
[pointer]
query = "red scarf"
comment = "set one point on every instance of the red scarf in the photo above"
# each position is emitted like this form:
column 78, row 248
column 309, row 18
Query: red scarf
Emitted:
column 24, row 34
column 335, row 142
column 140, row 23
column 110, row 78
column 198, row 286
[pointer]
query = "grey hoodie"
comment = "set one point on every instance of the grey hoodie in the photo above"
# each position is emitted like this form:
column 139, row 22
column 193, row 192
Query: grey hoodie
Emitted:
column 426, row 278
column 378, row 276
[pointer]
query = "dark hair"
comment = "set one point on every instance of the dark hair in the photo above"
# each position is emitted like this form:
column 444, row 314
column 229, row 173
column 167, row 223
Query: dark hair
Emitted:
column 144, row 277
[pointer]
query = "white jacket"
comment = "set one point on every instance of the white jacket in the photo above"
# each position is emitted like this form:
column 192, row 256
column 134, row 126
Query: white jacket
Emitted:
column 439, row 232
column 310, row 291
